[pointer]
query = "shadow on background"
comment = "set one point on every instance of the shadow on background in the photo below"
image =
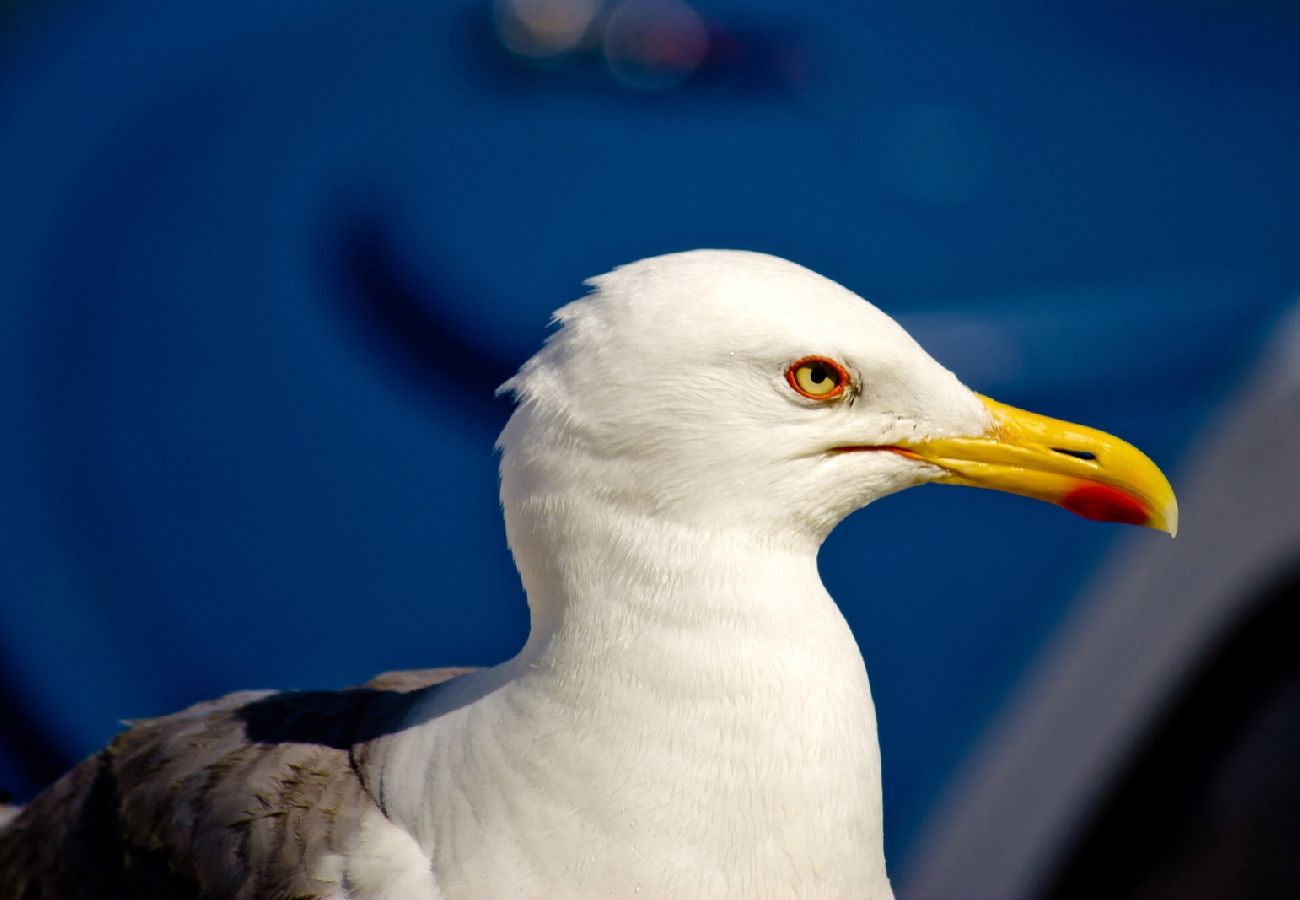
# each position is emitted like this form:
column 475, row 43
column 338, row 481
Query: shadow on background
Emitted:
column 1210, row 805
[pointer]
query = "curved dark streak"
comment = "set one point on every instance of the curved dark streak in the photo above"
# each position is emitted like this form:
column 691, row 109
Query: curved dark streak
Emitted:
column 398, row 322
column 72, row 333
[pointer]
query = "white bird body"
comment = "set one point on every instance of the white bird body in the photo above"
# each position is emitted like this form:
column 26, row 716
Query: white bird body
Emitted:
column 690, row 715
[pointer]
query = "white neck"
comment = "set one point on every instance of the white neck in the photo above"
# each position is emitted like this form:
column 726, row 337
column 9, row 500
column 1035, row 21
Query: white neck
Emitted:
column 690, row 716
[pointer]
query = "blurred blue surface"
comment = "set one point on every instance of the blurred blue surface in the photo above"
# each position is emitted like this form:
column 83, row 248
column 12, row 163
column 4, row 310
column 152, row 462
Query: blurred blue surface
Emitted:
column 263, row 265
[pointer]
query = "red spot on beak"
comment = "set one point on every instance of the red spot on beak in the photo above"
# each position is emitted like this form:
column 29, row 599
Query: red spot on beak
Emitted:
column 1103, row 503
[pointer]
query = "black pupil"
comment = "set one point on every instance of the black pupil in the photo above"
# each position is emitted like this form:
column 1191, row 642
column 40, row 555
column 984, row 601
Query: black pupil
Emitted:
column 819, row 374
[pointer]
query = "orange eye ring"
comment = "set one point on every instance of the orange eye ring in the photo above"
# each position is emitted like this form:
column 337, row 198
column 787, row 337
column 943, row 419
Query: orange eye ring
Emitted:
column 817, row 378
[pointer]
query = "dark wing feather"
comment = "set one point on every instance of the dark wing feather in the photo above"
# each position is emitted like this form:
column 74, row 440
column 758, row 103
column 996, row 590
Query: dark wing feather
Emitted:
column 250, row 796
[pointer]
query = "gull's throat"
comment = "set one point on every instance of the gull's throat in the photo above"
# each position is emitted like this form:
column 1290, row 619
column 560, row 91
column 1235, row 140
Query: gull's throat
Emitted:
column 731, row 726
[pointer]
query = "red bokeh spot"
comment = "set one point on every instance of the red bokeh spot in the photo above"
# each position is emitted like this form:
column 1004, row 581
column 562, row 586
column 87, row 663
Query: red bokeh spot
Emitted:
column 1103, row 503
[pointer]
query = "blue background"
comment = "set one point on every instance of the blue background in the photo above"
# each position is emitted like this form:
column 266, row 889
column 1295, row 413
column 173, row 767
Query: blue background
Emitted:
column 262, row 265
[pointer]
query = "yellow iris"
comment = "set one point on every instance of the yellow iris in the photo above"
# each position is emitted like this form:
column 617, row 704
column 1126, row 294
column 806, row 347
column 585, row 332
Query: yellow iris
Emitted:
column 817, row 377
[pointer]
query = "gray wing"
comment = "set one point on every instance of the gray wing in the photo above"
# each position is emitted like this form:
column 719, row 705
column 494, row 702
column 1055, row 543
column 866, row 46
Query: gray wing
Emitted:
column 249, row 796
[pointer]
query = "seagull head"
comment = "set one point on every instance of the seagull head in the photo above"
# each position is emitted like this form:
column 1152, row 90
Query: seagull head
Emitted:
column 730, row 390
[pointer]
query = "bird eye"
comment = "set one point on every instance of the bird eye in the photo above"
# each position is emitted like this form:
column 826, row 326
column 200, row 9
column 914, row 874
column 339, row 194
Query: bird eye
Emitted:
column 817, row 377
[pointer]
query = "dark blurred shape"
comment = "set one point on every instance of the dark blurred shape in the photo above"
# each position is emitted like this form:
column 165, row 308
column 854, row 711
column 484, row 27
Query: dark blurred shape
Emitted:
column 396, row 318
column 1211, row 807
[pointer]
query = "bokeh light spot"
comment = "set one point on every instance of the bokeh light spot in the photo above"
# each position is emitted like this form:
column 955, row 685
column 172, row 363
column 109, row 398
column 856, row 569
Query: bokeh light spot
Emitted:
column 654, row 44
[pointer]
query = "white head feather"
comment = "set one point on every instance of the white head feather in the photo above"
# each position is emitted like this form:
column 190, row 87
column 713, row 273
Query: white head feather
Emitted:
column 664, row 391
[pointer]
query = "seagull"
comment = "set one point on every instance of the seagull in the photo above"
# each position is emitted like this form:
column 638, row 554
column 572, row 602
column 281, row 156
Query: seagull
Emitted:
column 690, row 715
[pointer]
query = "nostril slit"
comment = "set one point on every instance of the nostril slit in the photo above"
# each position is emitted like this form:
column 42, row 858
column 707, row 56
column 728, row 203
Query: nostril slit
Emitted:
column 1077, row 454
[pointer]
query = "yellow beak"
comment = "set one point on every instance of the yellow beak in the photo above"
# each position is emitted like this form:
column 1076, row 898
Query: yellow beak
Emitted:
column 1084, row 470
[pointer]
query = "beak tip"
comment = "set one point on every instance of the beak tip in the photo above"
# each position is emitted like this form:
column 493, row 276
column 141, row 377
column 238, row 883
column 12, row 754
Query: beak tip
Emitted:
column 1090, row 473
column 1171, row 519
